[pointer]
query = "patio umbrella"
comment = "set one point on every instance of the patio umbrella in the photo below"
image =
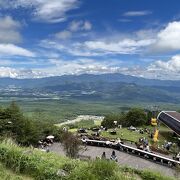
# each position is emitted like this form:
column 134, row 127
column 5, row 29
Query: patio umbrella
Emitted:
column 50, row 137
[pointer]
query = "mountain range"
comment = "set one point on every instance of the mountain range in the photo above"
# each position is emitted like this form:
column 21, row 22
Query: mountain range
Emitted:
column 114, row 87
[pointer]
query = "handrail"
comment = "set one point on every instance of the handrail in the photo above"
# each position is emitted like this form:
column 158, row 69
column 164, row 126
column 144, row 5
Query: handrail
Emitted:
column 120, row 146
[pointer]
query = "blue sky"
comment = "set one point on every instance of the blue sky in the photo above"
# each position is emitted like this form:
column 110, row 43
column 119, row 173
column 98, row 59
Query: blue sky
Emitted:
column 40, row 38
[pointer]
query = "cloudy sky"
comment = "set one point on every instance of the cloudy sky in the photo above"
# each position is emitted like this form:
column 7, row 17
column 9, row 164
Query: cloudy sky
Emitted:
column 40, row 38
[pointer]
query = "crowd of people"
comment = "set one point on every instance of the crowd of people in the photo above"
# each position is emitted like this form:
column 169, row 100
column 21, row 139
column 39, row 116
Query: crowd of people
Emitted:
column 45, row 143
column 143, row 144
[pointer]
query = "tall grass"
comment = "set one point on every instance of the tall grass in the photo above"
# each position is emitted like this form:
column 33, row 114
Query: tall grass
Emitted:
column 38, row 164
column 6, row 174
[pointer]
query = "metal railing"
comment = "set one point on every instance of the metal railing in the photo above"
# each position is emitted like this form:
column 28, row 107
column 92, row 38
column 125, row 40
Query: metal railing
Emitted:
column 134, row 151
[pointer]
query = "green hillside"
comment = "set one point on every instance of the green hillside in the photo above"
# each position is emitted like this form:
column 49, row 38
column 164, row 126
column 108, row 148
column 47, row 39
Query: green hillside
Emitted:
column 40, row 165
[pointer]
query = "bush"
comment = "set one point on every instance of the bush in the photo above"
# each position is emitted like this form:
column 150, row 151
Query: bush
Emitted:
column 71, row 144
column 96, row 170
column 136, row 117
column 109, row 120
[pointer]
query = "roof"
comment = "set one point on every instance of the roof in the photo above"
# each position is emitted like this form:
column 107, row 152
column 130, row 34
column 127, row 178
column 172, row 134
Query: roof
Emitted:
column 174, row 114
column 170, row 119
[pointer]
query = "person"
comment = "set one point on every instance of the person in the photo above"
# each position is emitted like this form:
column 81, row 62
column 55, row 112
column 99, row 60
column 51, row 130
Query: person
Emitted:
column 64, row 129
column 141, row 131
column 47, row 149
column 141, row 147
column 151, row 135
column 167, row 145
column 103, row 155
column 121, row 134
column 84, row 142
column 118, row 141
column 147, row 148
column 178, row 157
column 146, row 142
column 113, row 156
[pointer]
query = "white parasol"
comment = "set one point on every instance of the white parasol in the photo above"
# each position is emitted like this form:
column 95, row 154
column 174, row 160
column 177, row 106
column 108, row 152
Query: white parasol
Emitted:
column 50, row 137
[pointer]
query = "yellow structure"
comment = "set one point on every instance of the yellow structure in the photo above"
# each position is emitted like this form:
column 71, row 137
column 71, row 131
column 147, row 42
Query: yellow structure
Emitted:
column 153, row 121
column 155, row 137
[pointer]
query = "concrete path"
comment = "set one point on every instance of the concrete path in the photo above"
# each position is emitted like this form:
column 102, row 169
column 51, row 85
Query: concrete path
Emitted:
column 123, row 158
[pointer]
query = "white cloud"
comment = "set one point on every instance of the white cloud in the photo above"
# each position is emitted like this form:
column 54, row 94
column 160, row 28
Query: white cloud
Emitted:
column 139, row 42
column 146, row 33
column 11, row 49
column 19, row 73
column 168, row 39
column 56, row 67
column 159, row 69
column 63, row 35
column 124, row 20
column 80, row 66
column 8, row 23
column 44, row 10
column 137, row 13
column 61, row 67
column 75, row 25
column 8, row 72
column 80, row 26
column 122, row 46
column 172, row 65
column 99, row 47
column 9, row 30
column 87, row 25
column 5, row 62
column 73, row 29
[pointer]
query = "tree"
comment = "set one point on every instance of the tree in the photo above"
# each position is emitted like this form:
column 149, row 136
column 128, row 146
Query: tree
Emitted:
column 10, row 120
column 109, row 120
column 71, row 144
column 5, row 124
column 23, row 130
column 136, row 117
column 13, row 124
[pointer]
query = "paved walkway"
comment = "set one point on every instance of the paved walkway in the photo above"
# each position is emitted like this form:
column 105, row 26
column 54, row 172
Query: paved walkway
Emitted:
column 123, row 158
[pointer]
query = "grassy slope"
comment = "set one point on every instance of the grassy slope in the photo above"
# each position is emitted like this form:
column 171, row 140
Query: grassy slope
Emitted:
column 7, row 174
column 164, row 132
column 41, row 165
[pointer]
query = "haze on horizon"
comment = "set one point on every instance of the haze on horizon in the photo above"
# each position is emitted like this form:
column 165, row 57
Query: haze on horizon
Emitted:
column 52, row 38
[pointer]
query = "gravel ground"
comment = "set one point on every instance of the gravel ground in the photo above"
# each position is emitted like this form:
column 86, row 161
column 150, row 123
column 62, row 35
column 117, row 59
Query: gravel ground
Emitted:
column 123, row 158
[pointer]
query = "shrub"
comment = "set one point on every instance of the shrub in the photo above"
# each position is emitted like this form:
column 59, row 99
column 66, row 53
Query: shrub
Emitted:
column 71, row 144
column 136, row 117
column 109, row 120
